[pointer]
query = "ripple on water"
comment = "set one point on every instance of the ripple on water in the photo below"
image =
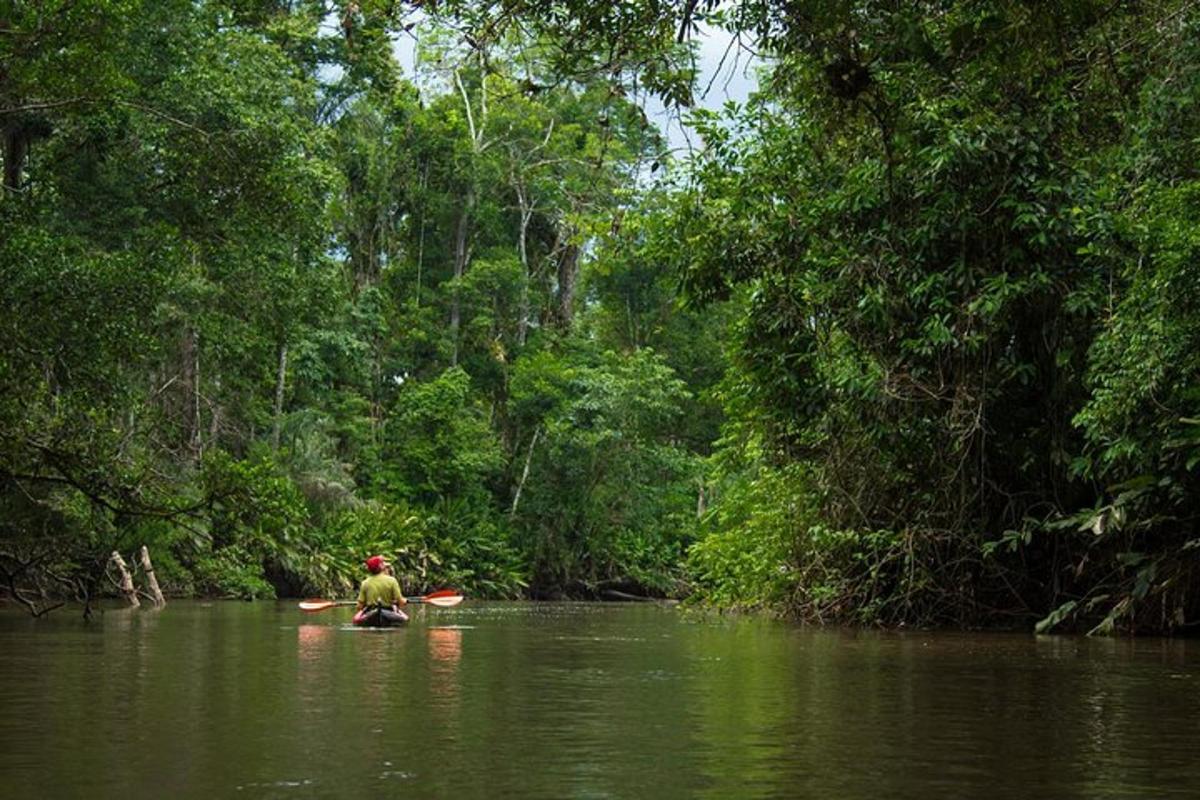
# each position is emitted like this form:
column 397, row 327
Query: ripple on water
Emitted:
column 282, row 784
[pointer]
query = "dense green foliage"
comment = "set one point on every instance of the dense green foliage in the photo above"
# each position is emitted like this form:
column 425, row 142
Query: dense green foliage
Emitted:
column 272, row 305
column 967, row 232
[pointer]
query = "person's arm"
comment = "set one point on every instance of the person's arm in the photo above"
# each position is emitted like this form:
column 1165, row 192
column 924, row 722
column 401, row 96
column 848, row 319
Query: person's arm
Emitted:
column 362, row 598
column 400, row 601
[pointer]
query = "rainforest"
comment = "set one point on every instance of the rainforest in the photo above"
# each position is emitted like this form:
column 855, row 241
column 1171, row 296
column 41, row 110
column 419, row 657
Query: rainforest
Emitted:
column 908, row 337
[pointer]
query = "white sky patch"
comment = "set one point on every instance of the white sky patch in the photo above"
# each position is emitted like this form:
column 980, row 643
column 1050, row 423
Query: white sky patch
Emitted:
column 717, row 83
column 726, row 72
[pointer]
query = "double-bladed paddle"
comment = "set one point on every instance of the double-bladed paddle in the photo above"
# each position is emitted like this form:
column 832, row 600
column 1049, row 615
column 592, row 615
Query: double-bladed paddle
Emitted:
column 443, row 597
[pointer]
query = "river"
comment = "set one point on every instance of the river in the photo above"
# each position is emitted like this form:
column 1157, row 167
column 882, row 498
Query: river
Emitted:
column 581, row 701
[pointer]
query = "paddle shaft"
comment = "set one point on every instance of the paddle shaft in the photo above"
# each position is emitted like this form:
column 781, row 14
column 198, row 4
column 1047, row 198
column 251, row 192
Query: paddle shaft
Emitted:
column 444, row 598
column 355, row 602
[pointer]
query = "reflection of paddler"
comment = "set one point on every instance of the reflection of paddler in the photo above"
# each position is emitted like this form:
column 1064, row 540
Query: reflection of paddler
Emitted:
column 445, row 644
column 379, row 596
column 312, row 648
column 445, row 649
column 313, row 638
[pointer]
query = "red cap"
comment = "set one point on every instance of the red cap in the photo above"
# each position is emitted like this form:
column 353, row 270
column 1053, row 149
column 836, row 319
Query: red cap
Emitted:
column 374, row 563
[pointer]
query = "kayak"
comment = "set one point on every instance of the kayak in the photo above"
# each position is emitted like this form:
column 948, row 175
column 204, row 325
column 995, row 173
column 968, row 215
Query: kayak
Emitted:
column 380, row 618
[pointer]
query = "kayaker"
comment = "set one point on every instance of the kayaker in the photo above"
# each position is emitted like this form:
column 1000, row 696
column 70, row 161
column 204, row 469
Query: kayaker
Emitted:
column 379, row 595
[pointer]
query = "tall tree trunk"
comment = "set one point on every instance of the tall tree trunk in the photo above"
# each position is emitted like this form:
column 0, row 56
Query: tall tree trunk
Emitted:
column 214, row 413
column 16, row 145
column 521, row 164
column 18, row 133
column 460, row 268
column 197, row 436
column 363, row 259
column 523, row 249
column 420, row 261
column 376, row 387
column 525, row 472
column 568, row 275
column 189, row 369
column 461, row 251
column 280, row 378
column 421, row 238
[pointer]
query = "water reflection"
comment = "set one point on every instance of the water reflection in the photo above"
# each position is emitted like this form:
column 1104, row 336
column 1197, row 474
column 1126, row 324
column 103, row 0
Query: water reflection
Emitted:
column 445, row 645
column 445, row 652
column 312, row 642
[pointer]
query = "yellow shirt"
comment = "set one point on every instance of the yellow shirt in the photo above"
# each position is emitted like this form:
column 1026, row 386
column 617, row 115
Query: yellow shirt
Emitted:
column 383, row 590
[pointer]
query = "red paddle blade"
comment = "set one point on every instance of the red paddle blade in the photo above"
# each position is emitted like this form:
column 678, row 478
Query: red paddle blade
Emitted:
column 442, row 593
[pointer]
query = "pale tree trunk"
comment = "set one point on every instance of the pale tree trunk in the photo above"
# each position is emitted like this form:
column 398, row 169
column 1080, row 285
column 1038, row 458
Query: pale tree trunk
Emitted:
column 523, row 249
column 197, row 437
column 280, row 378
column 525, row 473
column 420, row 261
column 525, row 205
column 126, row 579
column 214, row 412
column 460, row 268
column 181, row 407
column 421, row 237
column 189, row 358
column 148, row 568
column 701, row 504
column 377, row 414
column 461, row 248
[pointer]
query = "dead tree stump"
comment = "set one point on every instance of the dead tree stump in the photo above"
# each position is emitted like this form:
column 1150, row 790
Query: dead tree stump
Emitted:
column 126, row 580
column 148, row 568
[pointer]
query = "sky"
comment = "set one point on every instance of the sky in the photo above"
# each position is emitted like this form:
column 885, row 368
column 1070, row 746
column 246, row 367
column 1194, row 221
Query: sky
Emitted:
column 718, row 83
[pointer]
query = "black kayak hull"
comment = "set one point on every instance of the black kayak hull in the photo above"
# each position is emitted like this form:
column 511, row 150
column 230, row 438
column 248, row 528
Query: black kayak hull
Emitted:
column 380, row 618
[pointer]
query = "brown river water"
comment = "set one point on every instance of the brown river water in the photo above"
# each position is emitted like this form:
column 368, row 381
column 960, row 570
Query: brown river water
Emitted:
column 580, row 700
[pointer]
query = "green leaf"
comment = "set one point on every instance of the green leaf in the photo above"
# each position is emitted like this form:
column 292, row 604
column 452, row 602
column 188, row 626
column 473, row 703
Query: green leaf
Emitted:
column 1055, row 617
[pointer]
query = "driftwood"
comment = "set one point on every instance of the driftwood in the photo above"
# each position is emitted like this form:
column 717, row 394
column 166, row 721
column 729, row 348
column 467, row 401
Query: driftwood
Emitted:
column 618, row 596
column 126, row 580
column 148, row 568
column 625, row 597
